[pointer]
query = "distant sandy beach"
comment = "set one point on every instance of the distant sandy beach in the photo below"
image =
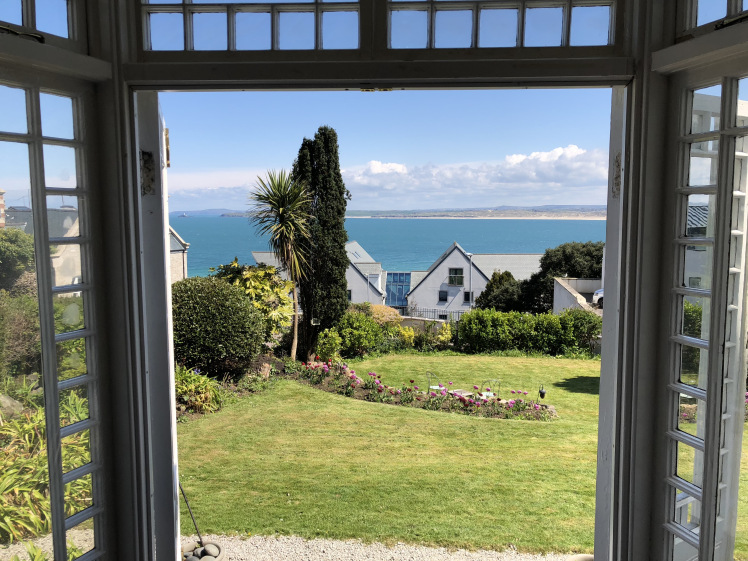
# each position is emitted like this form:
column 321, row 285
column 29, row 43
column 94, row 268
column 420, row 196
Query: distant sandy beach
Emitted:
column 540, row 217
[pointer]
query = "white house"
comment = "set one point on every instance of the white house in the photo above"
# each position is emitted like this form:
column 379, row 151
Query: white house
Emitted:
column 364, row 275
column 448, row 284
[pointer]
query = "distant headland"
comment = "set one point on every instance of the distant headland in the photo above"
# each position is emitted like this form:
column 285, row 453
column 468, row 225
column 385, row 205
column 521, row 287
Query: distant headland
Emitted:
column 545, row 212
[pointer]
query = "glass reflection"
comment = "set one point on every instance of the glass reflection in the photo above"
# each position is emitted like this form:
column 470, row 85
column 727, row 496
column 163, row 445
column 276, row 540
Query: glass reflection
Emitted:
column 78, row 495
column 690, row 464
column 697, row 270
column 66, row 264
column 706, row 110
column 694, row 363
column 703, row 163
column 695, row 317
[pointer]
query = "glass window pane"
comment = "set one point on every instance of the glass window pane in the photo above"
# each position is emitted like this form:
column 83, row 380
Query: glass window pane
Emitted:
column 66, row 264
column 73, row 405
column 590, row 25
column 742, row 110
column 687, row 510
column 13, row 115
column 16, row 182
column 52, row 17
column 62, row 217
column 706, row 109
column 740, row 173
column 543, row 27
column 78, row 495
column 340, row 30
column 59, row 166
column 409, row 29
column 700, row 216
column 210, row 32
column 695, row 317
column 57, row 116
column 697, row 267
column 80, row 539
column 167, row 32
column 453, row 29
column 498, row 28
column 710, row 10
column 694, row 363
column 690, row 464
column 76, row 450
column 691, row 415
column 253, row 31
column 11, row 11
column 703, row 163
column 68, row 311
column 71, row 359
column 296, row 30
column 683, row 551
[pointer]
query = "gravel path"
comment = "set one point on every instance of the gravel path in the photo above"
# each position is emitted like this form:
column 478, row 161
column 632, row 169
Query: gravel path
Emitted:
column 273, row 548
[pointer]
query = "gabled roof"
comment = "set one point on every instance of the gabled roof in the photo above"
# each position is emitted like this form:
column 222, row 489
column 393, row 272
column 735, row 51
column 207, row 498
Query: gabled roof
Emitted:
column 370, row 268
column 176, row 243
column 357, row 254
column 363, row 275
column 452, row 248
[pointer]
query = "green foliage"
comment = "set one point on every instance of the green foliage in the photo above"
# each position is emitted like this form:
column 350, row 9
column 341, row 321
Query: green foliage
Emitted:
column 196, row 393
column 586, row 327
column 502, row 293
column 16, row 255
column 216, row 328
column 386, row 316
column 360, row 334
column 35, row 553
column 24, row 479
column 324, row 292
column 329, row 344
column 482, row 331
column 20, row 340
column 573, row 259
column 361, row 308
column 692, row 315
column 265, row 288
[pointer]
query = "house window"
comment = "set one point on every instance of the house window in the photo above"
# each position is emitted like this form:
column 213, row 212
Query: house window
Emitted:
column 350, row 296
column 443, row 316
column 694, row 282
column 442, row 296
column 468, row 297
column 456, row 277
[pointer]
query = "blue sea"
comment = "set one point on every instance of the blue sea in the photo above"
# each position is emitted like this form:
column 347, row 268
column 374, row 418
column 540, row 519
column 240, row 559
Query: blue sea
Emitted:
column 400, row 244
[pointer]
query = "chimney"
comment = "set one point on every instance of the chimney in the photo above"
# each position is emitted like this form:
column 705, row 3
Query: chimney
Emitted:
column 2, row 208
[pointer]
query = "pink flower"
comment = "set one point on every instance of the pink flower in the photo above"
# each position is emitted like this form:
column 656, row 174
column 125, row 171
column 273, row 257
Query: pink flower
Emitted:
column 415, row 387
column 444, row 392
column 537, row 407
column 475, row 387
column 525, row 393
column 488, row 389
column 513, row 391
column 441, row 386
column 450, row 383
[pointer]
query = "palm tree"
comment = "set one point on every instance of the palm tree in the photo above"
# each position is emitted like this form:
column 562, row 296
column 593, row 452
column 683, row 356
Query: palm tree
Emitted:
column 280, row 209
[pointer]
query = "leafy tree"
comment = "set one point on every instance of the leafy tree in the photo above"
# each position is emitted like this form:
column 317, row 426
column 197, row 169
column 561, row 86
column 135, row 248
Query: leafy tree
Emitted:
column 573, row 259
column 266, row 289
column 502, row 293
column 281, row 207
column 324, row 294
column 16, row 255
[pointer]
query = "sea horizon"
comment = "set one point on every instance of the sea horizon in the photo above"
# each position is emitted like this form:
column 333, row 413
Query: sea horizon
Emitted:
column 404, row 244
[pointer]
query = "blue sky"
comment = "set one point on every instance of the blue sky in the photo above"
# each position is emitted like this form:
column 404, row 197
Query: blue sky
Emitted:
column 398, row 150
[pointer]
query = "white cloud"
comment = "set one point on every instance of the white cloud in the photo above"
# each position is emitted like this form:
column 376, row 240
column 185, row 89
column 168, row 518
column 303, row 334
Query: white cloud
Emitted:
column 564, row 175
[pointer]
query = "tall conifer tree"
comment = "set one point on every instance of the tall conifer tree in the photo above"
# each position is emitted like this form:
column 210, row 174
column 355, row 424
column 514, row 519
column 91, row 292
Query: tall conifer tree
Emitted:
column 324, row 292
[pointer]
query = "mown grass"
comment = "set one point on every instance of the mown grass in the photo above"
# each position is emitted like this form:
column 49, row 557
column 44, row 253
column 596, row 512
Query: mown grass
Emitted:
column 295, row 460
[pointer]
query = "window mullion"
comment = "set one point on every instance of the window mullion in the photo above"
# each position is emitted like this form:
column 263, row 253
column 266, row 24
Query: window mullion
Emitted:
column 47, row 329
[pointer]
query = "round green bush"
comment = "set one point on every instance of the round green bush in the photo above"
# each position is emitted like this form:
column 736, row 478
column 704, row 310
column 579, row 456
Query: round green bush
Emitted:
column 216, row 328
column 360, row 334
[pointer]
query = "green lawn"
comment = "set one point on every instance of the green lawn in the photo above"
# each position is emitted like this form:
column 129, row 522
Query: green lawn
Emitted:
column 295, row 460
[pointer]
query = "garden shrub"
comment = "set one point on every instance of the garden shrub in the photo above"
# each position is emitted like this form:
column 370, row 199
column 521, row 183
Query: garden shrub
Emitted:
column 483, row 331
column 360, row 334
column 196, row 393
column 328, row 345
column 20, row 340
column 586, row 327
column 216, row 328
column 406, row 335
column 444, row 336
column 361, row 308
column 384, row 315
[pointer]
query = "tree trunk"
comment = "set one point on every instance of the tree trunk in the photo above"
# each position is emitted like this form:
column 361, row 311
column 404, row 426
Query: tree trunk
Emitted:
column 295, row 341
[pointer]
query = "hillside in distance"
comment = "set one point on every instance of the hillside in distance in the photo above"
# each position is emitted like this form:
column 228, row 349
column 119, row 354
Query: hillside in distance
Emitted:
column 567, row 212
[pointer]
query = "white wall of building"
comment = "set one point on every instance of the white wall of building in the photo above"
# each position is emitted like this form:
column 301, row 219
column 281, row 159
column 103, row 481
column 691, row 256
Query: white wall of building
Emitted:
column 361, row 289
column 426, row 294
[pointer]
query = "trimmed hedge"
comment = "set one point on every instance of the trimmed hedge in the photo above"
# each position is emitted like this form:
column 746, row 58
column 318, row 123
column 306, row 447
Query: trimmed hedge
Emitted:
column 485, row 331
column 359, row 334
column 216, row 328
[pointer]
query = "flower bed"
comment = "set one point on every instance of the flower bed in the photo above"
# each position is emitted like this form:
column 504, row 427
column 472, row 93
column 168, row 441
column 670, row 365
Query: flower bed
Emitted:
column 478, row 401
